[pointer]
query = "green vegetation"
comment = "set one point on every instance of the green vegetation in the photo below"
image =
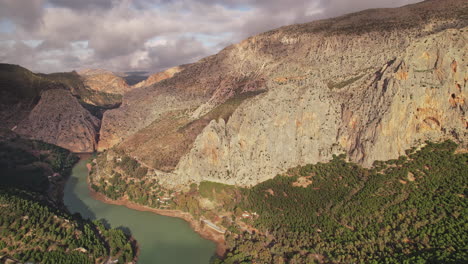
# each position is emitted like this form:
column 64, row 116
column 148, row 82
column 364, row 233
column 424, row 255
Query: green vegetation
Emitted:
column 122, row 177
column 409, row 210
column 33, row 225
column 18, row 83
column 226, row 195
column 38, row 232
column 27, row 164
column 126, row 178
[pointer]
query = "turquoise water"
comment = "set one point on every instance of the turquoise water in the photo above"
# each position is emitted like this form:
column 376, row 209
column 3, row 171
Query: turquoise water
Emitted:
column 162, row 239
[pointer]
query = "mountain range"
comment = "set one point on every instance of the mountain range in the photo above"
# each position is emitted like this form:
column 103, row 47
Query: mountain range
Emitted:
column 349, row 129
column 370, row 85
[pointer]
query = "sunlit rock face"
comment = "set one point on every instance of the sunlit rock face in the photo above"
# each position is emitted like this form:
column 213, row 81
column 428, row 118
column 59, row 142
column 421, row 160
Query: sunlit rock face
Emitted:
column 104, row 81
column 369, row 85
column 157, row 77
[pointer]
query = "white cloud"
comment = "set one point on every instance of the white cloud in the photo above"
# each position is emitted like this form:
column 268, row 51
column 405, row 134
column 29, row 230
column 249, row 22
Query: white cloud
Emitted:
column 120, row 35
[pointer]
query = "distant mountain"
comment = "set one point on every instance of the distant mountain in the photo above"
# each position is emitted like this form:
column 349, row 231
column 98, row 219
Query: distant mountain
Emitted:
column 157, row 77
column 133, row 77
column 104, row 81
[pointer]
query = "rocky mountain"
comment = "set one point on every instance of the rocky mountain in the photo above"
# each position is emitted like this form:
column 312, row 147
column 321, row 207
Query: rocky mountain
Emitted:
column 104, row 81
column 55, row 108
column 369, row 84
column 59, row 119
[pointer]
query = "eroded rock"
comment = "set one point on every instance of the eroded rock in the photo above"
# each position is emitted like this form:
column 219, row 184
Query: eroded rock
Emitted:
column 59, row 119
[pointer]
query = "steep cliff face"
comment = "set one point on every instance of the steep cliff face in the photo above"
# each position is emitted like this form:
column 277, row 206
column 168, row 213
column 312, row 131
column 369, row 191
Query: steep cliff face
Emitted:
column 59, row 119
column 370, row 85
column 413, row 97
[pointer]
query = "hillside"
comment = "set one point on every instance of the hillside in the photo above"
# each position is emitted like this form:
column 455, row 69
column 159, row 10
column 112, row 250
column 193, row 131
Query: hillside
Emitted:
column 60, row 108
column 369, row 84
column 87, row 94
column 20, row 90
column 27, row 164
column 157, row 77
column 104, row 81
column 59, row 119
column 34, row 225
column 408, row 210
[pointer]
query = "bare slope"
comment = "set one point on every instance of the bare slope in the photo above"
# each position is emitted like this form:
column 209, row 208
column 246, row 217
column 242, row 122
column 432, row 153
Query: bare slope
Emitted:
column 157, row 77
column 59, row 119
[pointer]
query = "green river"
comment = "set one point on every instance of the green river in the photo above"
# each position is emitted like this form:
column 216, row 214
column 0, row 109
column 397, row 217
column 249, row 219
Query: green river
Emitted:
column 161, row 239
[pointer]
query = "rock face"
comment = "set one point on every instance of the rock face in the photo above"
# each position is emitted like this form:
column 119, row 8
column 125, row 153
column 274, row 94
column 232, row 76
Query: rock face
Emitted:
column 104, row 81
column 59, row 119
column 370, row 85
column 157, row 77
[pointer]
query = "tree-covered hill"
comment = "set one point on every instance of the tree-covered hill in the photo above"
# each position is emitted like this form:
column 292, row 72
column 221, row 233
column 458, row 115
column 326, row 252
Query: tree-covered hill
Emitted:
column 409, row 210
column 34, row 226
column 37, row 232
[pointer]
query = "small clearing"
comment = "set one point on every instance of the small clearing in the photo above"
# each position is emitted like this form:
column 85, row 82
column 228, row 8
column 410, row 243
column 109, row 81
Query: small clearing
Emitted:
column 302, row 182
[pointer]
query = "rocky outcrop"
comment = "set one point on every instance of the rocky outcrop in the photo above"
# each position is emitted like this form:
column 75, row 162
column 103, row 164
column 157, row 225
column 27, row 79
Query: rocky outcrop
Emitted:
column 414, row 97
column 370, row 85
column 195, row 90
column 59, row 119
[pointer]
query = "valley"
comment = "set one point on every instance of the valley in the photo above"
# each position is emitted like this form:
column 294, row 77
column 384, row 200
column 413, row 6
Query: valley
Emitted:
column 342, row 140
column 35, row 226
column 160, row 239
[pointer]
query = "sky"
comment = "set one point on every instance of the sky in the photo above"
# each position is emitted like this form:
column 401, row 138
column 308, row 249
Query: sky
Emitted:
column 146, row 35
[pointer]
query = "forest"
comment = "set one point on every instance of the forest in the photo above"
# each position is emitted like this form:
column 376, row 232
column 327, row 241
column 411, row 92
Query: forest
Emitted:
column 27, row 164
column 33, row 231
column 409, row 210
column 34, row 224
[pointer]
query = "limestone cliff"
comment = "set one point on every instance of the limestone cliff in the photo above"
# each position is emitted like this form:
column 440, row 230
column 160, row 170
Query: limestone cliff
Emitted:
column 369, row 84
column 59, row 119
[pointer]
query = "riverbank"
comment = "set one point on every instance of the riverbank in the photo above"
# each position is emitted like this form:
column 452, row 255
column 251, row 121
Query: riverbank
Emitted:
column 203, row 230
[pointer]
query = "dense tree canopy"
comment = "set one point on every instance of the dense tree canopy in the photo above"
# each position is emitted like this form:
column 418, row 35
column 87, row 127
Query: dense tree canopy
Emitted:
column 34, row 226
column 409, row 210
